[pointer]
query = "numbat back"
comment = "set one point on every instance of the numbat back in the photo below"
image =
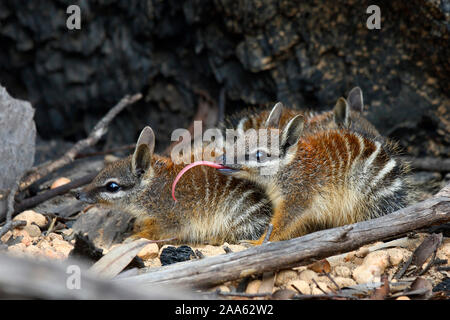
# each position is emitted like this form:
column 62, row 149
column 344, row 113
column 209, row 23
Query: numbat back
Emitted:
column 211, row 207
column 346, row 113
column 325, row 178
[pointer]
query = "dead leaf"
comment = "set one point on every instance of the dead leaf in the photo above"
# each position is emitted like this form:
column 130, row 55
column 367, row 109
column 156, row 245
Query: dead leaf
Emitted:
column 268, row 281
column 118, row 258
column 381, row 292
column 426, row 249
column 283, row 294
column 421, row 288
column 322, row 266
column 421, row 254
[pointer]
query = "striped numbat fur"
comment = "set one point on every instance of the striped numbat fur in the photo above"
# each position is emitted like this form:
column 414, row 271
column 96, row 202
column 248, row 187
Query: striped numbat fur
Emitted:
column 211, row 207
column 322, row 178
column 347, row 112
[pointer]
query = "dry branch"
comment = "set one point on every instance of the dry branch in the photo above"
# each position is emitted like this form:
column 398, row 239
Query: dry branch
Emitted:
column 95, row 135
column 34, row 201
column 300, row 251
column 31, row 278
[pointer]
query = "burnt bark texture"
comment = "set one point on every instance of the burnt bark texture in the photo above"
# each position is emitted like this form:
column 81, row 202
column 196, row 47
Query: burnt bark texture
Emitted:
column 304, row 54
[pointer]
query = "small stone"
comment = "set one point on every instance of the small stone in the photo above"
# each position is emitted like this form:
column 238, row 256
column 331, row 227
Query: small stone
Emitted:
column 62, row 247
column 403, row 298
column 153, row 263
column 6, row 236
column 224, row 288
column 59, row 182
column 283, row 294
column 44, row 244
column 236, row 247
column 172, row 254
column 33, row 230
column 253, row 286
column 150, row 251
column 210, row 251
column 362, row 252
column 444, row 250
column 300, row 269
column 53, row 236
column 51, row 253
column 397, row 256
column 301, row 285
column 33, row 251
column 372, row 267
column 18, row 248
column 32, row 217
column 308, row 276
column 26, row 239
column 284, row 276
column 349, row 256
column 344, row 282
column 342, row 271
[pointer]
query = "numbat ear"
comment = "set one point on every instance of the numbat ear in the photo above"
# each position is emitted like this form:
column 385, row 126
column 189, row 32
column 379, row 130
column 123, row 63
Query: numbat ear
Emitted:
column 143, row 153
column 293, row 131
column 275, row 115
column 355, row 99
column 341, row 112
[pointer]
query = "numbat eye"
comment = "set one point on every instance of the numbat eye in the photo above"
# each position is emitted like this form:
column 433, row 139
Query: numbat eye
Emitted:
column 112, row 187
column 261, row 156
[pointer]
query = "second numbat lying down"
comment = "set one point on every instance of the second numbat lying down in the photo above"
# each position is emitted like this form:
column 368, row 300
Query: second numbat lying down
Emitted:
column 327, row 177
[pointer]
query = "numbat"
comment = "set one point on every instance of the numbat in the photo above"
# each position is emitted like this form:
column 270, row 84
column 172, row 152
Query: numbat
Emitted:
column 211, row 207
column 341, row 173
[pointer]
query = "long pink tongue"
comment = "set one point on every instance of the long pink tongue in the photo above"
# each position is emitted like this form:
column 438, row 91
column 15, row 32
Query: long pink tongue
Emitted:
column 194, row 164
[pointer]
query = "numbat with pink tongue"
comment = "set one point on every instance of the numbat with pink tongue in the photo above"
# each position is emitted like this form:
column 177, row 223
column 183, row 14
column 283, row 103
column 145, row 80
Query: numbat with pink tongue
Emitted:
column 211, row 207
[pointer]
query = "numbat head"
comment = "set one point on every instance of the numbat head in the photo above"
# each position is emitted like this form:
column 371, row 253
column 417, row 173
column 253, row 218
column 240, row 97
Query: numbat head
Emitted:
column 328, row 174
column 265, row 138
column 211, row 207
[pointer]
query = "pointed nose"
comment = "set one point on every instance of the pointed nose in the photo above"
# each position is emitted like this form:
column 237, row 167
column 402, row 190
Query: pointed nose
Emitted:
column 82, row 196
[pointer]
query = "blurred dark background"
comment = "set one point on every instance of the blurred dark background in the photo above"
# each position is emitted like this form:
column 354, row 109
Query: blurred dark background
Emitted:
column 256, row 52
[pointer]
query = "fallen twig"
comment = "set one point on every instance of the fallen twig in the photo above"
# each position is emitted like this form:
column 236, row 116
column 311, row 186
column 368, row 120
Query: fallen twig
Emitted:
column 22, row 278
column 318, row 287
column 95, row 135
column 327, row 274
column 302, row 250
column 34, row 201
column 323, row 296
column 243, row 294
column 11, row 225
